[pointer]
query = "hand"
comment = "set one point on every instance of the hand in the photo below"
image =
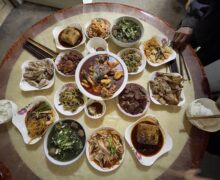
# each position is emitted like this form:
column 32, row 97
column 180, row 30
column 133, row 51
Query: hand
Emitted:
column 181, row 38
column 192, row 175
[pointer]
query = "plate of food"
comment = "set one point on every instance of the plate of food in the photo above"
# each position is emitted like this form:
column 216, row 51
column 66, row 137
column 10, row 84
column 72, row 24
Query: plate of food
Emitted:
column 127, row 31
column 133, row 101
column 95, row 109
column 68, row 100
column 105, row 149
column 7, row 110
column 157, row 51
column 66, row 62
column 148, row 140
column 37, row 75
column 64, row 142
column 166, row 89
column 98, row 27
column 133, row 59
column 68, row 37
column 101, row 75
column 33, row 120
column 203, row 107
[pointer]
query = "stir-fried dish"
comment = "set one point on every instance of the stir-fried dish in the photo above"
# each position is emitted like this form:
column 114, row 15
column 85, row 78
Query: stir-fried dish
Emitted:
column 106, row 148
column 99, row 27
column 69, row 63
column 71, row 98
column 102, row 75
column 132, row 58
column 39, row 73
column 157, row 52
column 166, row 88
column 66, row 140
column 126, row 31
column 38, row 119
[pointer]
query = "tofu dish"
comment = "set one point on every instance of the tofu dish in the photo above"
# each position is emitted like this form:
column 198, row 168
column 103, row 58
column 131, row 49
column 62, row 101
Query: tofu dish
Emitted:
column 147, row 137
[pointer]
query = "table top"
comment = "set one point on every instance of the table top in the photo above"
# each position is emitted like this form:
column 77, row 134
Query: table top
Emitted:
column 29, row 162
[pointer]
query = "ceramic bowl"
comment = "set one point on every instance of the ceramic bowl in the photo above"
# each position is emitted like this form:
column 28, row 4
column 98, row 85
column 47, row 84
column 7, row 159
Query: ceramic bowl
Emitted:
column 182, row 96
column 19, row 119
column 55, row 161
column 58, row 105
column 25, row 86
column 57, row 30
column 159, row 38
column 143, row 61
column 10, row 110
column 127, row 44
column 98, row 116
column 148, row 160
column 95, row 43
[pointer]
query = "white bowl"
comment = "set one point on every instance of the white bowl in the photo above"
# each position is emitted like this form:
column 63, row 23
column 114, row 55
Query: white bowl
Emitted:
column 57, row 30
column 25, row 86
column 19, row 119
column 90, row 101
column 9, row 111
column 170, row 58
column 148, row 160
column 95, row 97
column 182, row 96
column 57, row 162
column 93, row 164
column 128, row 44
column 143, row 61
column 214, row 122
column 59, row 58
column 88, row 24
column 134, row 115
column 96, row 42
column 60, row 107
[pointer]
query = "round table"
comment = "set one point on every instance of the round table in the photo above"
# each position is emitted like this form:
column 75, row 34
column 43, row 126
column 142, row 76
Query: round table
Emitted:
column 29, row 161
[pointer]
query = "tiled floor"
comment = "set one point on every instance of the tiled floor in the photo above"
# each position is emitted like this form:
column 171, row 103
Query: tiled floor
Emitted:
column 171, row 11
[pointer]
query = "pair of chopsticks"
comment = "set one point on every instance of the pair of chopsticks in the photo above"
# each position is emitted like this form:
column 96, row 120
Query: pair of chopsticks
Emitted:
column 204, row 117
column 181, row 64
column 38, row 50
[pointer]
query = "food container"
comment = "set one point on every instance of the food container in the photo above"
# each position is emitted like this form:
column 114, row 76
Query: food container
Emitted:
column 95, row 43
column 132, row 43
column 98, row 115
column 64, row 162
column 148, row 160
column 57, row 30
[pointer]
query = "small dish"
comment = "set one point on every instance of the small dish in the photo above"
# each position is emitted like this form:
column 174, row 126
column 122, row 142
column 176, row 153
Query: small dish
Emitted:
column 94, row 164
column 197, row 108
column 127, row 98
column 96, row 108
column 20, row 117
column 159, row 39
column 97, row 26
column 7, row 109
column 56, row 33
column 182, row 96
column 136, row 22
column 25, row 86
column 60, row 107
column 96, row 44
column 141, row 67
column 72, row 63
column 81, row 136
column 166, row 146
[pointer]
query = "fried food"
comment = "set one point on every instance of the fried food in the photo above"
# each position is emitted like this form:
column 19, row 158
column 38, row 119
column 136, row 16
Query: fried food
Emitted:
column 70, row 36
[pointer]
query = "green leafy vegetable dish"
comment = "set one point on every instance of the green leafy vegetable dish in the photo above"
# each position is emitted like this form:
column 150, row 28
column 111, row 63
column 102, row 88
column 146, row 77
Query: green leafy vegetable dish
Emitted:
column 66, row 140
column 126, row 30
column 132, row 58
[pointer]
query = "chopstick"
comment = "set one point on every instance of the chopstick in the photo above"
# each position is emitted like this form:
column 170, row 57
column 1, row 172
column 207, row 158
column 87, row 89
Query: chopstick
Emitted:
column 184, row 63
column 181, row 65
column 173, row 66
column 34, row 51
column 204, row 117
column 42, row 47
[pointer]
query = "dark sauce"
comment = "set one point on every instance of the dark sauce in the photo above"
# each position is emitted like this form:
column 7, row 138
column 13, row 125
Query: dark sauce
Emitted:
column 144, row 149
column 90, row 62
column 98, row 108
column 70, row 153
column 68, row 45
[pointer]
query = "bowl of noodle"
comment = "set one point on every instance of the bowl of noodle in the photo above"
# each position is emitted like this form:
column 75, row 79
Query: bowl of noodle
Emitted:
column 34, row 119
